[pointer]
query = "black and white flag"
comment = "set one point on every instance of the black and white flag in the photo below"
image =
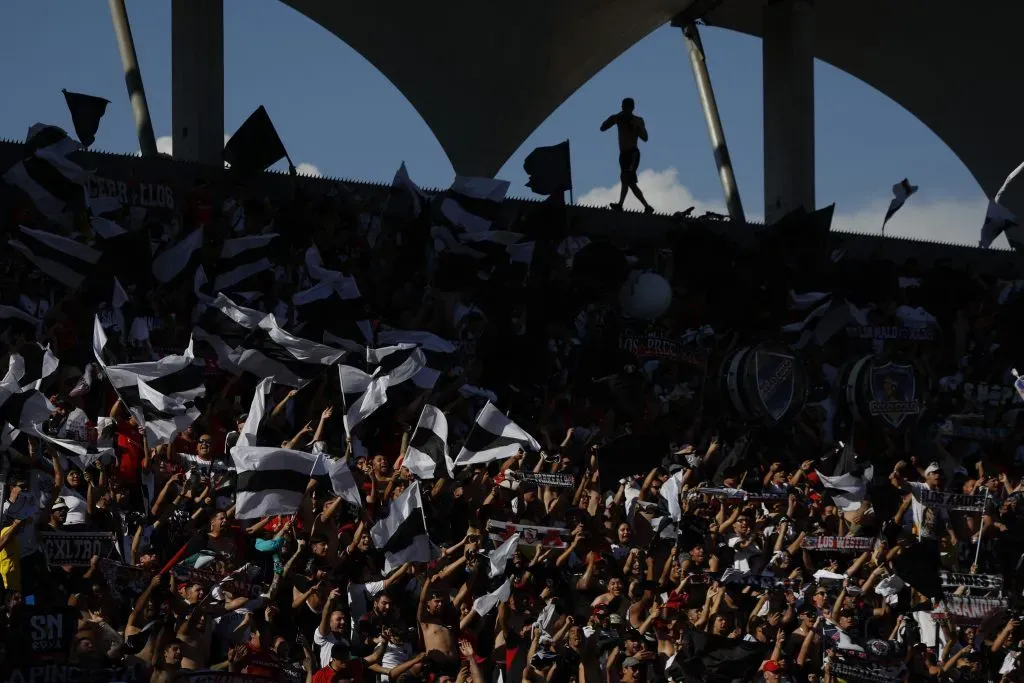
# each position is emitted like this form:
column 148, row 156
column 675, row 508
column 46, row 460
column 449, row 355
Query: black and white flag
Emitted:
column 901, row 192
column 999, row 219
column 60, row 258
column 54, row 183
column 270, row 481
column 362, row 393
column 176, row 376
column 162, row 416
column 334, row 310
column 223, row 327
column 494, row 437
column 400, row 363
column 402, row 534
column 473, row 204
column 269, row 351
column 848, row 490
column 242, row 259
column 438, row 352
column 31, row 366
column 86, row 112
column 406, row 197
column 23, row 408
column 180, row 258
column 336, row 474
column 824, row 322
column 427, row 455
column 82, row 454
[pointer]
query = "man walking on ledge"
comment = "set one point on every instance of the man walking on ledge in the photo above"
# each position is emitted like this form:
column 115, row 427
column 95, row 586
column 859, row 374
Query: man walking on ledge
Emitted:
column 631, row 128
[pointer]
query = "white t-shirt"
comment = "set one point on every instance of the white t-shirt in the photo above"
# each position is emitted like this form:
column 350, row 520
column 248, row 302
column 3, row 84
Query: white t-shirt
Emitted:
column 931, row 522
column 78, row 506
column 395, row 655
column 325, row 643
column 742, row 556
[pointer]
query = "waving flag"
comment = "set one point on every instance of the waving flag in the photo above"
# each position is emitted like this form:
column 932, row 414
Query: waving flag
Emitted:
column 901, row 192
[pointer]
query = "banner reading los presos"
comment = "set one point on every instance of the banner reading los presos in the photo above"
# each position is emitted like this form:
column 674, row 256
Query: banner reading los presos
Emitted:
column 75, row 548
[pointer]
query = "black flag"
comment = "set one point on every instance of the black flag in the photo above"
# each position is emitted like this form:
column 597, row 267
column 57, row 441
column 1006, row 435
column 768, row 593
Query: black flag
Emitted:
column 549, row 169
column 86, row 112
column 255, row 146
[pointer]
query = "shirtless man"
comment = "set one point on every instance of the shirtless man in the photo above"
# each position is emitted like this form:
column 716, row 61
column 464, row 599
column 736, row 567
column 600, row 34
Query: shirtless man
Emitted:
column 631, row 129
column 436, row 623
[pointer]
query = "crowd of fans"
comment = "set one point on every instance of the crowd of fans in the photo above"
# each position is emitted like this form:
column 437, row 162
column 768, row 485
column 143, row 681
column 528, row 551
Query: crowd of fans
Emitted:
column 710, row 549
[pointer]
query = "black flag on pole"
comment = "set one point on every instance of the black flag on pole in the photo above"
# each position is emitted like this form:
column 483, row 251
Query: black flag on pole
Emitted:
column 549, row 169
column 86, row 112
column 255, row 146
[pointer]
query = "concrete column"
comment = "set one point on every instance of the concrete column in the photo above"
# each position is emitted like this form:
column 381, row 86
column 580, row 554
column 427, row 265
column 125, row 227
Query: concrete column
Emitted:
column 197, row 80
column 788, row 56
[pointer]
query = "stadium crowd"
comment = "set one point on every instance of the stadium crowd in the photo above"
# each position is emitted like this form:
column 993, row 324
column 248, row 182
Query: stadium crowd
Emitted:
column 626, row 522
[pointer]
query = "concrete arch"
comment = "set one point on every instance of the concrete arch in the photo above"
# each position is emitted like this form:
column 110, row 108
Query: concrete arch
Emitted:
column 483, row 75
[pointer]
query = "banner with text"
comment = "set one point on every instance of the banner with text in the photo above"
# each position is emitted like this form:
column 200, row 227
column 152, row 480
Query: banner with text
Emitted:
column 75, row 548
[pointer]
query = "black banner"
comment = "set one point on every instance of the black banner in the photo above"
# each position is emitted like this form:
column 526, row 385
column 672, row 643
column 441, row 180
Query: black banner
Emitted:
column 50, row 632
column 652, row 346
column 68, row 673
column 890, row 332
column 839, row 544
column 75, row 548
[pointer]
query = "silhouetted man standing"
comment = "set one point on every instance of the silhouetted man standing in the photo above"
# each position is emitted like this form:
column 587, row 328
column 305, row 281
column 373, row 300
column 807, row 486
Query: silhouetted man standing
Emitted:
column 631, row 129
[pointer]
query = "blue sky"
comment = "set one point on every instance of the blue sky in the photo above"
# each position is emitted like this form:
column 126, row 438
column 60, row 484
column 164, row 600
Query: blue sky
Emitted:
column 336, row 112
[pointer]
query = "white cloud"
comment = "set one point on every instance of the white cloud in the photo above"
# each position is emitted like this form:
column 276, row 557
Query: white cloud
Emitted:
column 941, row 220
column 306, row 168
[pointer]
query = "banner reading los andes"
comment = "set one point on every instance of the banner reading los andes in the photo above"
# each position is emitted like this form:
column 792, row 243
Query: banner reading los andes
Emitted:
column 972, row 502
column 839, row 544
column 883, row 390
column 544, row 536
column 70, row 673
column 764, row 383
column 984, row 581
column 75, row 548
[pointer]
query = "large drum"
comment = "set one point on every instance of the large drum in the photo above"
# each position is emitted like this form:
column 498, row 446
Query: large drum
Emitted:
column 882, row 389
column 764, row 383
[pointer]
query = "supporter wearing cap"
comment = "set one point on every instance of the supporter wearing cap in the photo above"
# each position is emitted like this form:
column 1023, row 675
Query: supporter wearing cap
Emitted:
column 930, row 520
column 772, row 671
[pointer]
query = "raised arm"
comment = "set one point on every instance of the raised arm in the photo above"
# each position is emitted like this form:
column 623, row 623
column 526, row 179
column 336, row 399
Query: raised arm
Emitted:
column 609, row 122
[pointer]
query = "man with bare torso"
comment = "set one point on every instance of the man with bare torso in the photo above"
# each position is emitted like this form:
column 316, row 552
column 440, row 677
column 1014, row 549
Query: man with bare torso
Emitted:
column 631, row 130
column 437, row 622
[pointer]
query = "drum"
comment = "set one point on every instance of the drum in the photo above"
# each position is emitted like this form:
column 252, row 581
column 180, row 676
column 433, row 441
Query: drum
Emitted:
column 764, row 383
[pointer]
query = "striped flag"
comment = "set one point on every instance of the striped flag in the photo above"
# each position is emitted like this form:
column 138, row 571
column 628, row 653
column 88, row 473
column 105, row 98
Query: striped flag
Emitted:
column 270, row 481
column 269, row 351
column 30, row 366
column 848, row 490
column 901, row 192
column 473, row 204
column 60, row 258
column 438, row 352
column 182, row 257
column 223, row 326
column 86, row 112
column 999, row 219
column 82, row 454
column 400, row 363
column 406, row 198
column 361, row 394
column 54, row 183
column 828, row 319
column 402, row 534
column 175, row 376
column 427, row 455
column 334, row 310
column 335, row 473
column 494, row 437
column 23, row 408
column 162, row 416
column 241, row 260
column 257, row 409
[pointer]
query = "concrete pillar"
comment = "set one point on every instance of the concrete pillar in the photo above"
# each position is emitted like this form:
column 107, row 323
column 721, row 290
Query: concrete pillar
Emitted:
column 788, row 57
column 197, row 80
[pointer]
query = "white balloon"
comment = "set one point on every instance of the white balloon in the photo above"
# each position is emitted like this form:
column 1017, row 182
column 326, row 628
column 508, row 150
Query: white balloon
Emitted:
column 645, row 295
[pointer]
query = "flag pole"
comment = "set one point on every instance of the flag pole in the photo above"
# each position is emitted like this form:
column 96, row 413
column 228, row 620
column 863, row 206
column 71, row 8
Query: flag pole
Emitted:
column 981, row 529
column 133, row 78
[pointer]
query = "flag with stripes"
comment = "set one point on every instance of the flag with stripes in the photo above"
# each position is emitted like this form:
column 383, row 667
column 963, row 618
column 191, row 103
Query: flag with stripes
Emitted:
column 901, row 192
column 15, row 322
column 81, row 453
column 848, row 490
column 334, row 310
column 827, row 320
column 400, row 363
column 23, row 408
column 427, row 455
column 497, row 245
column 257, row 409
column 242, row 260
column 60, row 258
column 270, row 481
column 269, row 351
column 181, row 258
column 438, row 353
column 361, row 394
column 223, row 326
column 494, row 437
column 176, row 376
column 473, row 204
column 163, row 417
column 30, row 366
column 335, row 474
column 53, row 183
column 402, row 534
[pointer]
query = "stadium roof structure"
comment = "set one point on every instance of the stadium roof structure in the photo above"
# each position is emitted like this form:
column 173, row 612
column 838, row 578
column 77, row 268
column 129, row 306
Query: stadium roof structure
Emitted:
column 485, row 74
